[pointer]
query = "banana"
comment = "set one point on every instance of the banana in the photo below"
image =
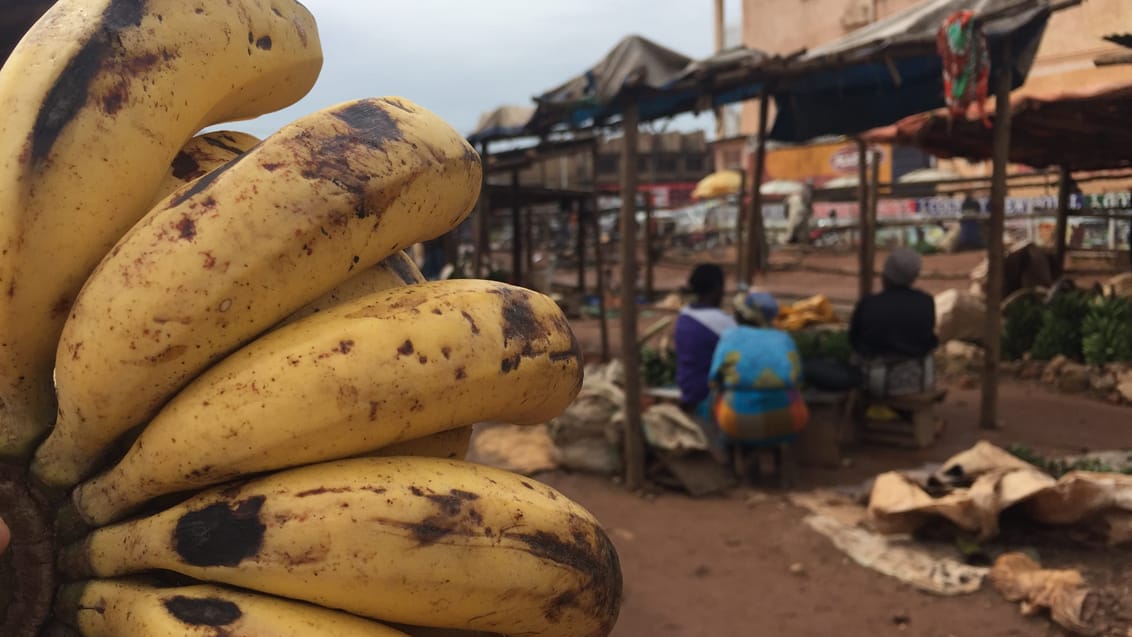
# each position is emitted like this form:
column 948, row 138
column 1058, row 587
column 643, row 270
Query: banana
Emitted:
column 424, row 631
column 227, row 257
column 396, row 270
column 117, row 608
column 98, row 97
column 201, row 155
column 452, row 444
column 419, row 541
column 394, row 366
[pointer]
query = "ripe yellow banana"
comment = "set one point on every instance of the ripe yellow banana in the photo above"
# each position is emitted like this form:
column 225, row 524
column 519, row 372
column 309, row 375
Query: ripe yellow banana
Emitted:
column 201, row 155
column 224, row 259
column 418, row 541
column 121, row 608
column 396, row 270
column 97, row 98
column 385, row 368
column 452, row 444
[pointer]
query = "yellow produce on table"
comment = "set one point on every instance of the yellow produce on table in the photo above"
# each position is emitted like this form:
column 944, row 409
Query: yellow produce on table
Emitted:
column 815, row 310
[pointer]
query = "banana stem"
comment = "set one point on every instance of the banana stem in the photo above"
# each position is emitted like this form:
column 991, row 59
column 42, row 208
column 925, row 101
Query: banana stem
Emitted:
column 27, row 570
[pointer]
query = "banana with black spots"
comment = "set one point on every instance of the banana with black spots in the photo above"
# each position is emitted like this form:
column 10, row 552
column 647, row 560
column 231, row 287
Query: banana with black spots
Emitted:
column 418, row 541
column 98, row 97
column 385, row 368
column 227, row 257
column 121, row 608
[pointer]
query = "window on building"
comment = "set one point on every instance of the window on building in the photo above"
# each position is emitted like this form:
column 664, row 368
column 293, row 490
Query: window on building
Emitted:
column 666, row 164
column 642, row 164
column 695, row 163
column 608, row 164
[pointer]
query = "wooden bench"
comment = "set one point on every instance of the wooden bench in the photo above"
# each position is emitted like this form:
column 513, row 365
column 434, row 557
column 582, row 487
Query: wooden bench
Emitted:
column 917, row 426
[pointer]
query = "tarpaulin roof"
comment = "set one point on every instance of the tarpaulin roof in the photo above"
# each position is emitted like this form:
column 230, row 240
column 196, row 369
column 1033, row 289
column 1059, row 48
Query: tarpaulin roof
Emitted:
column 504, row 122
column 636, row 66
column 1084, row 130
column 890, row 68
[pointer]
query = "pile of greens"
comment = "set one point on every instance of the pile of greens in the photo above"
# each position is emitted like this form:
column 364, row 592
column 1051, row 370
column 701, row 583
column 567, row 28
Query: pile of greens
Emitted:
column 1080, row 326
column 823, row 344
column 658, row 368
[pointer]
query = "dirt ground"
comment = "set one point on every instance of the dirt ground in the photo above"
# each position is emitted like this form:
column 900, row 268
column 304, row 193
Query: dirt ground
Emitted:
column 722, row 566
column 746, row 564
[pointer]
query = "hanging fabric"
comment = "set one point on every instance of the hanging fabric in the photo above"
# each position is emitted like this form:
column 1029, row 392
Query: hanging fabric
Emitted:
column 966, row 64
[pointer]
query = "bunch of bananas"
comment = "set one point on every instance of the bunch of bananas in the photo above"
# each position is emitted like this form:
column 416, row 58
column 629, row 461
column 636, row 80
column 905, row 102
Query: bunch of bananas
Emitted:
column 223, row 384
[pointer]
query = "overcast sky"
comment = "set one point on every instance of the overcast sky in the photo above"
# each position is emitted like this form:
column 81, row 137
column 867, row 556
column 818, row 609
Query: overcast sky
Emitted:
column 461, row 58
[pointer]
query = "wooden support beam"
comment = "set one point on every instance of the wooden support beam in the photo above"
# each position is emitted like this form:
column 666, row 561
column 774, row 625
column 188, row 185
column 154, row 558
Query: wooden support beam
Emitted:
column 741, row 225
column 756, row 254
column 630, row 355
column 528, row 244
column 864, row 285
column 581, row 214
column 992, row 335
column 1061, row 228
column 516, row 232
column 599, row 263
column 483, row 222
column 650, row 247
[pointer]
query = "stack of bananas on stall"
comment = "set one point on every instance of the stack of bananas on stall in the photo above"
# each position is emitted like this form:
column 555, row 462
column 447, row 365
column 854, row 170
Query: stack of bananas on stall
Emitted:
column 229, row 402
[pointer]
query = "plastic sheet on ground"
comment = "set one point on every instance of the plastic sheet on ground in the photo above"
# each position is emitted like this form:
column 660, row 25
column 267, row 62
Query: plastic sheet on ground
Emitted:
column 586, row 435
column 667, row 427
column 987, row 480
column 932, row 569
column 959, row 315
column 1119, row 285
column 521, row 449
column 1020, row 579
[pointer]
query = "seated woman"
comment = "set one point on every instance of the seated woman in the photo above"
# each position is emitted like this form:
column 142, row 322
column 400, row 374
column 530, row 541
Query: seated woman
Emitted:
column 697, row 330
column 755, row 376
column 893, row 332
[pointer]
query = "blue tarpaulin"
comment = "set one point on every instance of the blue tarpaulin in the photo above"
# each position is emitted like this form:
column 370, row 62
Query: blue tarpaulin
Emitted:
column 889, row 69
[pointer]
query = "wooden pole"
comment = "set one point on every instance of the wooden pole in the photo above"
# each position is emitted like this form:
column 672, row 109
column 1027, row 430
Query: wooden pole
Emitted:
column 720, row 40
column 757, row 258
column 649, row 241
column 599, row 263
column 516, row 231
column 630, row 356
column 1062, row 226
column 866, row 253
column 992, row 336
column 581, row 213
column 528, row 243
column 740, row 226
column 483, row 222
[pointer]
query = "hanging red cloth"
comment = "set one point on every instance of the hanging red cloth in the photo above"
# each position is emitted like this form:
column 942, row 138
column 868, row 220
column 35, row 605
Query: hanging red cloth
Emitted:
column 966, row 64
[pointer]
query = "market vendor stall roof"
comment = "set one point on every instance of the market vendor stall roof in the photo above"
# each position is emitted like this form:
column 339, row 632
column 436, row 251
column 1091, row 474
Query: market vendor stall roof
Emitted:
column 890, row 68
column 1083, row 129
column 504, row 122
column 636, row 65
